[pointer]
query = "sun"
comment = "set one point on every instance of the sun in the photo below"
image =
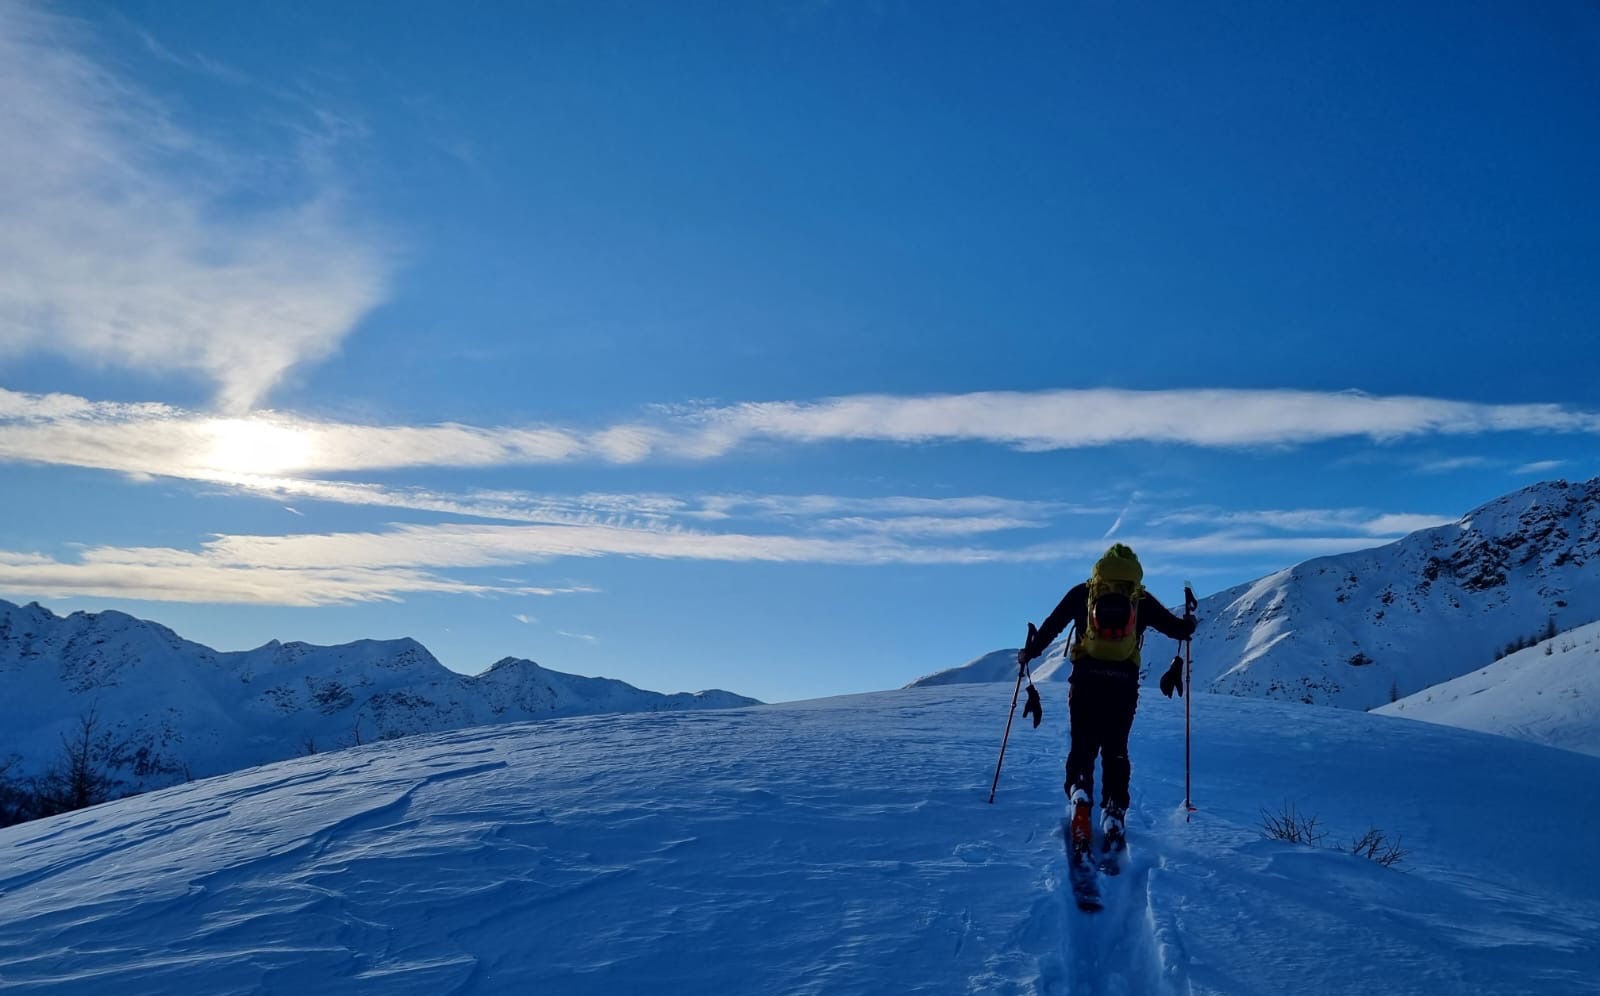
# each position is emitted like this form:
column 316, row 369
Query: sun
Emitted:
column 256, row 446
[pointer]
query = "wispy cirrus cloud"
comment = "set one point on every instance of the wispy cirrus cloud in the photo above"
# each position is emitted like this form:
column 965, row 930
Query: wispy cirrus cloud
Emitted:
column 1072, row 419
column 1448, row 465
column 157, row 439
column 387, row 564
column 109, row 258
column 1359, row 521
column 888, row 515
column 163, row 440
column 1540, row 467
column 167, row 575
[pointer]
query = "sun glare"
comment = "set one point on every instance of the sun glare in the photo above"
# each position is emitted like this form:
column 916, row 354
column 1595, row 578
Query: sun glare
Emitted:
column 248, row 446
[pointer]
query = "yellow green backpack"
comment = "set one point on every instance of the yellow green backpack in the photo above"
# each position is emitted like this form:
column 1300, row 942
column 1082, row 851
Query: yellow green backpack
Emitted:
column 1115, row 589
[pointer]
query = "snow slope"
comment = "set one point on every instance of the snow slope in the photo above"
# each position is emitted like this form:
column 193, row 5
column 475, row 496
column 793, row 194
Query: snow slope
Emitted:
column 835, row 846
column 177, row 708
column 1550, row 698
column 1362, row 629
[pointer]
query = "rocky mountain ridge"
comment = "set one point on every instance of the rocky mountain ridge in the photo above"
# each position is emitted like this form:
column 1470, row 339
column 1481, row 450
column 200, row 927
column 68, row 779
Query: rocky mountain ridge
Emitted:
column 1365, row 628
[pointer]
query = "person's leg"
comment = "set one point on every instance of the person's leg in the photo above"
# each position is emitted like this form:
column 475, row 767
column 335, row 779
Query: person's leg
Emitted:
column 1083, row 710
column 1118, row 704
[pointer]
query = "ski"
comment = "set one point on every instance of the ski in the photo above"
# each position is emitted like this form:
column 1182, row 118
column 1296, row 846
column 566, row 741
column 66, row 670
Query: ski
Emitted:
column 1111, row 855
column 1082, row 873
column 1113, row 844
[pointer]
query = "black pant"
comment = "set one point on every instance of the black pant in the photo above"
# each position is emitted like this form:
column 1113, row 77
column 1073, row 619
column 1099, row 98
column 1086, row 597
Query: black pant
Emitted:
column 1101, row 703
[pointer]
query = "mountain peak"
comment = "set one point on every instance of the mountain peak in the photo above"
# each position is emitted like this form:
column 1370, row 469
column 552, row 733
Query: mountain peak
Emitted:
column 513, row 664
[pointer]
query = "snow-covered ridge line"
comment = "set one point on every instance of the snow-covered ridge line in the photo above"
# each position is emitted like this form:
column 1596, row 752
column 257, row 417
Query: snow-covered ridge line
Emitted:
column 1362, row 629
column 166, row 708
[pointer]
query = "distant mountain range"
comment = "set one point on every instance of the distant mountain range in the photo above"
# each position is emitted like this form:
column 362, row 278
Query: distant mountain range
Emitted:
column 166, row 709
column 1360, row 630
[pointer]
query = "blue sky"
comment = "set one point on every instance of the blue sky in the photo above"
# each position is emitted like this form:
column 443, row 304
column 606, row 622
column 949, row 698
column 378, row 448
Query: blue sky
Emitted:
column 791, row 348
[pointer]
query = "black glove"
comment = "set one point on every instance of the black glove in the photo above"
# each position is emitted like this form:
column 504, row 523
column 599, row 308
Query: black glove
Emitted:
column 1028, row 651
column 1190, row 624
column 1034, row 707
column 1172, row 681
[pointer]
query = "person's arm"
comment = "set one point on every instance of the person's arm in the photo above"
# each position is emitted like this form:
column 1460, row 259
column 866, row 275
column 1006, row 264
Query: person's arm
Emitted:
column 1071, row 606
column 1159, row 618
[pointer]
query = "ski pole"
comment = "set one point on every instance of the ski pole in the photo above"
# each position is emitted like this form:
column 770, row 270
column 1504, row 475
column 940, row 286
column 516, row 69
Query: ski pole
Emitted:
column 1189, row 606
column 1022, row 668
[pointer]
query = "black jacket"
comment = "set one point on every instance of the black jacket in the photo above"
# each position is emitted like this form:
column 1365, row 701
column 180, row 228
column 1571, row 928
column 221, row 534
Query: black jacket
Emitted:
column 1074, row 610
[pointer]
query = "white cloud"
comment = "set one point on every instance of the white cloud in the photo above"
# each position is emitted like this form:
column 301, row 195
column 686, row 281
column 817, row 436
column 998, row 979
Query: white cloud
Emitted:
column 162, row 440
column 1357, row 520
column 316, row 569
column 1402, row 523
column 888, row 515
column 1451, row 464
column 172, row 576
column 328, row 568
column 1068, row 419
column 306, row 570
column 455, row 545
column 927, row 525
column 211, row 576
column 1540, row 467
column 107, row 257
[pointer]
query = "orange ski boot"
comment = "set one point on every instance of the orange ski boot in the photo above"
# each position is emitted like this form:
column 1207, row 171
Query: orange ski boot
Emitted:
column 1082, row 830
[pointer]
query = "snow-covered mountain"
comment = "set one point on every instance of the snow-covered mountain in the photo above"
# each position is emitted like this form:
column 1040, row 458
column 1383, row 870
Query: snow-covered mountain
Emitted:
column 841, row 846
column 166, row 708
column 998, row 665
column 1548, row 693
column 1362, row 629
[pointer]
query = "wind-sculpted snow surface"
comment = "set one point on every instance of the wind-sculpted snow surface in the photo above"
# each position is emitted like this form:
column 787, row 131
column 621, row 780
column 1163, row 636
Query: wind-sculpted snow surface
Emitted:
column 1548, row 693
column 836, row 846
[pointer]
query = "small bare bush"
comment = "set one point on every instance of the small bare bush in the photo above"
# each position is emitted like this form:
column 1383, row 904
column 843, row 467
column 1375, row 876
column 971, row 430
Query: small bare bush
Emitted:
column 1376, row 845
column 1287, row 824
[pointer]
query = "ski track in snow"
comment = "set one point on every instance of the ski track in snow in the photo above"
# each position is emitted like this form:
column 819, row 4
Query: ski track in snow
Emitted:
column 839, row 846
column 1116, row 952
